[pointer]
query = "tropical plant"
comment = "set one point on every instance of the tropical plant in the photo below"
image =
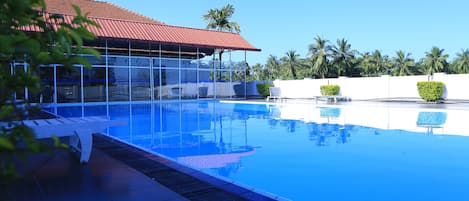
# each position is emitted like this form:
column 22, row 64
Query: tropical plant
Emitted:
column 291, row 60
column 263, row 89
column 59, row 42
column 343, row 55
column 329, row 90
column 366, row 65
column 403, row 64
column 273, row 67
column 435, row 61
column 257, row 72
column 430, row 90
column 461, row 63
column 381, row 63
column 319, row 52
column 219, row 19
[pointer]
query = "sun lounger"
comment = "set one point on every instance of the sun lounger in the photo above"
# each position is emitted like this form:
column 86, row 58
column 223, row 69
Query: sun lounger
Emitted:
column 274, row 93
column 79, row 129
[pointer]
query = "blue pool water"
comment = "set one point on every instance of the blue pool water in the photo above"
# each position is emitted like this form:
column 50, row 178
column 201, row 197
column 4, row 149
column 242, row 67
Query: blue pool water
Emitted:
column 321, row 158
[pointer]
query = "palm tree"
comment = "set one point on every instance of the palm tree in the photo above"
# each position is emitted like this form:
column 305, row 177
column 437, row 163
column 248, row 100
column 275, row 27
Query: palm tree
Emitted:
column 380, row 63
column 366, row 64
column 291, row 60
column 273, row 67
column 219, row 19
column 435, row 61
column 319, row 53
column 403, row 63
column 343, row 56
column 461, row 63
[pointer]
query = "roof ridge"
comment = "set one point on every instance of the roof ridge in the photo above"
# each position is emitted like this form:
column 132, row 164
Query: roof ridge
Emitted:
column 155, row 23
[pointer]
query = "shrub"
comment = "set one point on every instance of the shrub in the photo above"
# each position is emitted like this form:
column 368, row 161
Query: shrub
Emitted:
column 430, row 90
column 330, row 90
column 263, row 89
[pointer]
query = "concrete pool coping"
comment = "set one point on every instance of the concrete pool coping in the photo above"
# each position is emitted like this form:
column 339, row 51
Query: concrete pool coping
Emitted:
column 449, row 104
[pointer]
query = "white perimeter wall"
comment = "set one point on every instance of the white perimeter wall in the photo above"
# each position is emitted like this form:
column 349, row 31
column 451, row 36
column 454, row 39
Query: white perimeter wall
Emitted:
column 376, row 87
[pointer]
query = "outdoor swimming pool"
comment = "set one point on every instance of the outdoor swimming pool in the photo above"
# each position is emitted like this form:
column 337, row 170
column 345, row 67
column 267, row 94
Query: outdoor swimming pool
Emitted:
column 306, row 151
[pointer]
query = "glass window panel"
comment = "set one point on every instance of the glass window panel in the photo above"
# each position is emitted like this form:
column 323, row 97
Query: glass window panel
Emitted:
column 96, row 61
column 206, row 84
column 169, row 63
column 46, row 95
column 156, row 62
column 141, row 84
column 238, row 76
column 240, row 66
column 189, row 84
column 206, row 63
column 188, row 64
column 224, row 86
column 141, row 62
column 156, row 83
column 118, row 61
column 94, row 81
column 118, row 84
column 68, row 85
column 238, row 80
column 170, row 88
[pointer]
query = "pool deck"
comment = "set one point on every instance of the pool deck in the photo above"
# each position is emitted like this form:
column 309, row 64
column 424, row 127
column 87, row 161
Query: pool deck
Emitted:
column 385, row 102
column 117, row 171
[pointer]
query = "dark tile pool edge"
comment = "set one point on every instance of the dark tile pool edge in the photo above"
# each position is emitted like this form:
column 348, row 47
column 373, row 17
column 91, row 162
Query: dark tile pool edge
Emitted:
column 188, row 182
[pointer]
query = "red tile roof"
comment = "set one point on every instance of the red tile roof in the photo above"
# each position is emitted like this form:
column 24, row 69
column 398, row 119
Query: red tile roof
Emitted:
column 123, row 24
column 95, row 9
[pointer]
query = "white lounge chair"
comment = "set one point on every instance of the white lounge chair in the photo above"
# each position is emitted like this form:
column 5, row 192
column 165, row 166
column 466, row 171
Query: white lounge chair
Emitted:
column 80, row 130
column 274, row 93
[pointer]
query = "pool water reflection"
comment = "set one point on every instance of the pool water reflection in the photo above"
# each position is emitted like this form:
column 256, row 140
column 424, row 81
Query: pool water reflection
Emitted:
column 305, row 152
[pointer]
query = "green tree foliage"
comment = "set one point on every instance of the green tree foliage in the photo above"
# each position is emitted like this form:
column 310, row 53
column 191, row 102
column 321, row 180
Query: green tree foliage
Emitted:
column 461, row 63
column 366, row 65
column 273, row 67
column 320, row 52
column 219, row 19
column 430, row 90
column 329, row 90
column 435, row 61
column 325, row 61
column 403, row 64
column 343, row 56
column 263, row 89
column 291, row 60
column 58, row 42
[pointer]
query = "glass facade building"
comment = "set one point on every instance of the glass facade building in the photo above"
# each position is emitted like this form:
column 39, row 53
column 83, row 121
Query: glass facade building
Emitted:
column 131, row 71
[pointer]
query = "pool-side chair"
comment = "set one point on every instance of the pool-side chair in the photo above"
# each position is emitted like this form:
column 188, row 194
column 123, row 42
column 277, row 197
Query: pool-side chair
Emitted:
column 80, row 130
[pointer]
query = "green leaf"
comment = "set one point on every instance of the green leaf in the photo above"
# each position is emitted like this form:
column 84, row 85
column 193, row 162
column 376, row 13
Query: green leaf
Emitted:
column 5, row 144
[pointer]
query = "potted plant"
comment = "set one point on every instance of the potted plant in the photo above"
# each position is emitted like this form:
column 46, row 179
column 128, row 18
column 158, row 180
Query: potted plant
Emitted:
column 263, row 89
column 430, row 91
column 330, row 90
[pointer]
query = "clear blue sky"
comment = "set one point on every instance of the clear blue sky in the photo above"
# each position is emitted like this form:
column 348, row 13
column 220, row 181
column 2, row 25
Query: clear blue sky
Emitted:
column 278, row 26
